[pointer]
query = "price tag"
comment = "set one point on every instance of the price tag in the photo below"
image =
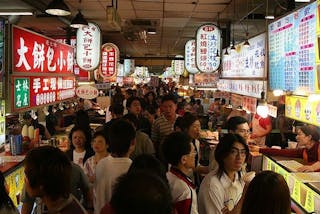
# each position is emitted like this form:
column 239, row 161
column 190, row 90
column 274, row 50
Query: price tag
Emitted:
column 309, row 205
column 296, row 191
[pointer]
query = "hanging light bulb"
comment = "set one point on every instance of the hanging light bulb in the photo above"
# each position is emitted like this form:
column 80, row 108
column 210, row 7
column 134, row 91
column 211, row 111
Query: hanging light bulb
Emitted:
column 217, row 55
column 262, row 108
column 226, row 52
column 58, row 8
column 78, row 21
column 246, row 44
column 233, row 48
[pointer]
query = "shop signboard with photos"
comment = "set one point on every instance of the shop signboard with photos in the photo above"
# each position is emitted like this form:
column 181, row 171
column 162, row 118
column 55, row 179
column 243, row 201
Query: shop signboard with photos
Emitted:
column 88, row 47
column 190, row 56
column 294, row 50
column 206, row 80
column 245, row 62
column 208, row 45
column 303, row 109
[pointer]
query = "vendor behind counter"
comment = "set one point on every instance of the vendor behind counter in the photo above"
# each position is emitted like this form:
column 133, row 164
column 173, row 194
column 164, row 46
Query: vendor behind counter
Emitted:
column 29, row 121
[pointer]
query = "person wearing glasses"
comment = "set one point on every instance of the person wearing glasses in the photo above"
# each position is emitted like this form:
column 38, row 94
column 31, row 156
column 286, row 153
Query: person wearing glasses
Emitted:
column 180, row 153
column 221, row 190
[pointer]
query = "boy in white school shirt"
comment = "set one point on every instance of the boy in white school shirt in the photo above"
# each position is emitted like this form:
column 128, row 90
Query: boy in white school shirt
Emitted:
column 122, row 141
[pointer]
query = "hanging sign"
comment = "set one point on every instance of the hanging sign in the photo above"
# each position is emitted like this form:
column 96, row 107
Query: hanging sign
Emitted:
column 88, row 47
column 208, row 44
column 178, row 65
column 304, row 110
column 35, row 53
column 33, row 91
column 190, row 56
column 109, row 60
column 128, row 66
column 250, row 88
column 249, row 104
column 293, row 49
column 245, row 62
column 87, row 92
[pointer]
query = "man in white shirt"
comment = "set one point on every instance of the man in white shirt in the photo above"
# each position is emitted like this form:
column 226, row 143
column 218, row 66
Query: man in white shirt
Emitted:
column 122, row 141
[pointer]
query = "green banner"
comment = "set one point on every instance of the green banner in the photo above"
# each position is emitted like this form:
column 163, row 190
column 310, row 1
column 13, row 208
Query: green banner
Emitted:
column 21, row 93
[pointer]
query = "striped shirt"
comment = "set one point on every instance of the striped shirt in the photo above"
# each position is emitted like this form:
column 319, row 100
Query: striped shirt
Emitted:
column 160, row 129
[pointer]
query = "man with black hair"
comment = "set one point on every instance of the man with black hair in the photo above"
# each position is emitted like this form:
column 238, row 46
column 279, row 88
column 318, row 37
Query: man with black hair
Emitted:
column 239, row 125
column 179, row 151
column 164, row 124
column 122, row 141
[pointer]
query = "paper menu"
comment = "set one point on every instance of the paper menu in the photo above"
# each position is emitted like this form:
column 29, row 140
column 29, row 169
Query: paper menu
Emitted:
column 307, row 177
column 292, row 165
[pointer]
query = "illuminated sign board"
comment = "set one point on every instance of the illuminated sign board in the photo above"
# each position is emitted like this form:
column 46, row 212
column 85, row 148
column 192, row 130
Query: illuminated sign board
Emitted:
column 88, row 47
column 208, row 44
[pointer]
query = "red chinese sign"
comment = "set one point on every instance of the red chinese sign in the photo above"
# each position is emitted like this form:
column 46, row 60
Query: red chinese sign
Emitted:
column 39, row 54
column 45, row 90
column 109, row 60
column 249, row 104
column 80, row 73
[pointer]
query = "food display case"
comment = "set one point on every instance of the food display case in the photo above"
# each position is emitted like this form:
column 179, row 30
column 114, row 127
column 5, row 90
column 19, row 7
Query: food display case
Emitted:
column 304, row 187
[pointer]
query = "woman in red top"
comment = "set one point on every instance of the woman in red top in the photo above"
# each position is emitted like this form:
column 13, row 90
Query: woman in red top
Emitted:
column 308, row 148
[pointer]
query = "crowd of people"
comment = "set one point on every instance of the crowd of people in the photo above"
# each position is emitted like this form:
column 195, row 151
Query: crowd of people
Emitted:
column 149, row 159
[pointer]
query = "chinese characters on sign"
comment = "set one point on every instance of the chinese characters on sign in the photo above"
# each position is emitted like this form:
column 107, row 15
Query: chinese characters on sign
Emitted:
column 251, row 88
column 36, row 53
column 35, row 91
column 190, row 56
column 21, row 92
column 87, row 92
column 206, row 80
column 88, row 47
column 246, row 62
column 208, row 44
column 292, row 50
column 178, row 65
column 109, row 60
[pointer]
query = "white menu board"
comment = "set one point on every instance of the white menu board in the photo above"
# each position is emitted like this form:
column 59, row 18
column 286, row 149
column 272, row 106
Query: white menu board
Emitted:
column 208, row 42
column 190, row 56
column 252, row 88
column 246, row 62
column 292, row 50
column 178, row 65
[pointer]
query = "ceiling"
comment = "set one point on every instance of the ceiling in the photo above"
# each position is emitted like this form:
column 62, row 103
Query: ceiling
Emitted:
column 175, row 21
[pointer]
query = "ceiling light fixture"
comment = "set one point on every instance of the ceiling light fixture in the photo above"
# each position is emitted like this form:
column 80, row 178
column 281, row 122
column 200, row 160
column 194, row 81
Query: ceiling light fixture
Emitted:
column 16, row 13
column 233, row 48
column 226, row 52
column 152, row 31
column 217, row 55
column 268, row 16
column 246, row 43
column 78, row 21
column 58, row 8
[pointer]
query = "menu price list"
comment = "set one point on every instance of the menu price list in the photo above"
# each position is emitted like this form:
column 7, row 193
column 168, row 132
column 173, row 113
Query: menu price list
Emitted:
column 292, row 50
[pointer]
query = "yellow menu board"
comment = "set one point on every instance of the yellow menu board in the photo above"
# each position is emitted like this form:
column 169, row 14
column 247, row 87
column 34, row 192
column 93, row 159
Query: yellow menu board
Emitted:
column 15, row 182
column 301, row 109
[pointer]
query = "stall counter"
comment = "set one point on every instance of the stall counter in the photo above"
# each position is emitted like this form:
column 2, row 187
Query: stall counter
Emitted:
column 304, row 187
column 13, row 170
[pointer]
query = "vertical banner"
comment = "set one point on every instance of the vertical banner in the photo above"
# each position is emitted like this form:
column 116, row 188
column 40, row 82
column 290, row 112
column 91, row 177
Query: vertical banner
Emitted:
column 190, row 56
column 208, row 45
column 88, row 47
column 178, row 65
column 109, row 60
